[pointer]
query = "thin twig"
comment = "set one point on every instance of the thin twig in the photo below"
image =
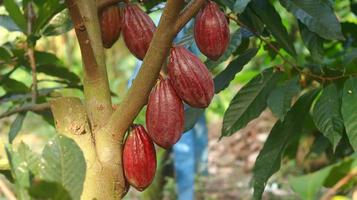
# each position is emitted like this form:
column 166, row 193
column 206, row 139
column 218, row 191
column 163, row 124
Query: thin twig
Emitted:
column 332, row 191
column 189, row 11
column 6, row 191
column 30, row 52
column 297, row 68
column 26, row 107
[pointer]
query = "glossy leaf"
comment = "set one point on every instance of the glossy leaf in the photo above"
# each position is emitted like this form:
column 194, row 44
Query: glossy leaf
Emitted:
column 280, row 98
column 63, row 162
column 269, row 158
column 327, row 114
column 349, row 110
column 222, row 80
column 15, row 13
column 249, row 102
column 317, row 15
column 271, row 18
column 16, row 126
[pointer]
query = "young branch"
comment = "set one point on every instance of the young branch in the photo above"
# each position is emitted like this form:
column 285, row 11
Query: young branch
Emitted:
column 96, row 85
column 190, row 11
column 31, row 54
column 26, row 107
column 332, row 191
column 137, row 95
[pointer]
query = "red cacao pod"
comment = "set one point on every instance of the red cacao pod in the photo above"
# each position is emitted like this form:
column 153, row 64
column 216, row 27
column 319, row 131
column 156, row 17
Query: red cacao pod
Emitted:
column 164, row 115
column 139, row 158
column 190, row 78
column 110, row 25
column 138, row 29
column 211, row 31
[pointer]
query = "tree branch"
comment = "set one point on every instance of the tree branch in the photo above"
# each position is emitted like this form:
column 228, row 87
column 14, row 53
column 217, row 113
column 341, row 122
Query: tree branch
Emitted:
column 137, row 95
column 96, row 85
column 332, row 191
column 26, row 107
column 190, row 11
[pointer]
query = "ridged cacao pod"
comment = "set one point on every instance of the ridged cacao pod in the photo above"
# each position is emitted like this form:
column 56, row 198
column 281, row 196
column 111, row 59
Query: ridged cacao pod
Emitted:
column 139, row 158
column 110, row 25
column 138, row 29
column 164, row 115
column 211, row 31
column 190, row 78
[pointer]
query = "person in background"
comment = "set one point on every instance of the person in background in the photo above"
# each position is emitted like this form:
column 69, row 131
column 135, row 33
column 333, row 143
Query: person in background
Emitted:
column 190, row 152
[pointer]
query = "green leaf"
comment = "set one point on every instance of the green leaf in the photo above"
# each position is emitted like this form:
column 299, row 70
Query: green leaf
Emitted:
column 283, row 132
column 250, row 19
column 59, row 24
column 16, row 126
column 317, row 15
column 279, row 100
column 236, row 39
column 313, row 42
column 327, row 114
column 48, row 190
column 9, row 24
column 222, row 80
column 13, row 86
column 15, row 13
column 308, row 186
column 5, row 54
column 45, row 13
column 270, row 17
column 349, row 110
column 63, row 162
column 354, row 8
column 192, row 115
column 249, row 102
column 240, row 5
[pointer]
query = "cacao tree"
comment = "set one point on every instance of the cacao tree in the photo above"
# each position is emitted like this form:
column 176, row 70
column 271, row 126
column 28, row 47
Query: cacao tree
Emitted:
column 310, row 86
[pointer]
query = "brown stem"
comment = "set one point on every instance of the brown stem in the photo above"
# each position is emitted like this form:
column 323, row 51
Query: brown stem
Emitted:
column 26, row 107
column 297, row 68
column 96, row 85
column 30, row 52
column 158, row 51
column 190, row 11
column 332, row 191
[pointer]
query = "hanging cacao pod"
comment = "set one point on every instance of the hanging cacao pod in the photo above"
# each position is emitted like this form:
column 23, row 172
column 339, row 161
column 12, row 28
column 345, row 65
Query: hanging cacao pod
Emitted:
column 164, row 115
column 139, row 158
column 211, row 31
column 190, row 78
column 110, row 25
column 138, row 29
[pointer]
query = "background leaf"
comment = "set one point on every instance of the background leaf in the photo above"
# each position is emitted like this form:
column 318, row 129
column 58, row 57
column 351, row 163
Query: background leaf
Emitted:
column 16, row 126
column 46, row 11
column 9, row 24
column 15, row 13
column 249, row 102
column 317, row 15
column 63, row 162
column 327, row 114
column 313, row 42
column 269, row 158
column 240, row 5
column 349, row 110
